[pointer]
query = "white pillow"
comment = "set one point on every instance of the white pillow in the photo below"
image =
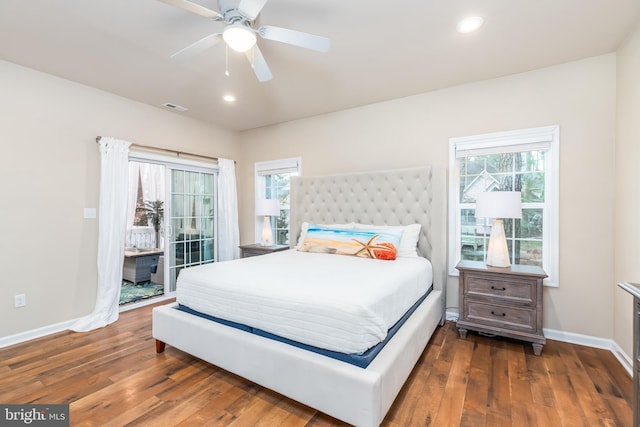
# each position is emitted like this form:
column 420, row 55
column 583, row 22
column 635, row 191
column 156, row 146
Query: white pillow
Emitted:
column 305, row 227
column 408, row 246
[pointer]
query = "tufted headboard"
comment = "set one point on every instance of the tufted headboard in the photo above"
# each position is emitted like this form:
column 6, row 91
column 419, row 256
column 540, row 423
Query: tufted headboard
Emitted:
column 395, row 197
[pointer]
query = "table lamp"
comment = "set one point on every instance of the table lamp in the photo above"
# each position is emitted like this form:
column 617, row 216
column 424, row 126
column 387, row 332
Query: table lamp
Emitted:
column 267, row 208
column 498, row 205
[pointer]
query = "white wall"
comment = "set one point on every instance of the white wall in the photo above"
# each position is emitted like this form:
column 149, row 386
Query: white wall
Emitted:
column 49, row 171
column 627, row 223
column 51, row 165
column 579, row 96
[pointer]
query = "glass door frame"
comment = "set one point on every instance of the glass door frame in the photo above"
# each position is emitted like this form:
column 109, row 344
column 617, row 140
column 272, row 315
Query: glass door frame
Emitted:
column 170, row 162
column 171, row 244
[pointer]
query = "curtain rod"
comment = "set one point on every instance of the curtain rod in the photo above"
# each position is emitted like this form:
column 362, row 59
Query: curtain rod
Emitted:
column 166, row 150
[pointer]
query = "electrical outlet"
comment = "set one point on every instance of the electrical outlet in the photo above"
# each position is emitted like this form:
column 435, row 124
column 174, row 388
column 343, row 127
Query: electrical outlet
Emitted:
column 20, row 300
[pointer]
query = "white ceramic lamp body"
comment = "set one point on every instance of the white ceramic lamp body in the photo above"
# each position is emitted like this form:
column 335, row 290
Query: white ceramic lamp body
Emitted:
column 267, row 234
column 498, row 205
column 267, row 208
column 498, row 252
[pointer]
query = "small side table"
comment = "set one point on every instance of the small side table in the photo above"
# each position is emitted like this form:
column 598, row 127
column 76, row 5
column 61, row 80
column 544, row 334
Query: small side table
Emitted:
column 136, row 267
column 502, row 301
column 256, row 249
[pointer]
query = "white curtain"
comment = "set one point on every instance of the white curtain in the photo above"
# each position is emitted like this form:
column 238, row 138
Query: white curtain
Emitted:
column 114, row 183
column 134, row 176
column 228, row 229
column 152, row 182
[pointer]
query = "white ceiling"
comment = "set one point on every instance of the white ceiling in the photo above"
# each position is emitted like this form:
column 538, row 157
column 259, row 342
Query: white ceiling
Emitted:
column 379, row 50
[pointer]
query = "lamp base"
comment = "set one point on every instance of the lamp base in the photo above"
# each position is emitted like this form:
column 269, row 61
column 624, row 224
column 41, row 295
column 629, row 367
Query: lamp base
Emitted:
column 267, row 234
column 498, row 252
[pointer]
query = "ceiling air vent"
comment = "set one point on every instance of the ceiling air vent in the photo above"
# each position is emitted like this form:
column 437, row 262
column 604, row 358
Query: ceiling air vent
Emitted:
column 175, row 107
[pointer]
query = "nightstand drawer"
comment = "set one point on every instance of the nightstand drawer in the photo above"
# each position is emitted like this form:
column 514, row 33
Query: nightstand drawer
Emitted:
column 512, row 289
column 500, row 316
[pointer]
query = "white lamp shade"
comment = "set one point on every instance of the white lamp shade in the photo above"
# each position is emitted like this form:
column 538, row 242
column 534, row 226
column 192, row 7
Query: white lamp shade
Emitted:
column 267, row 207
column 499, row 204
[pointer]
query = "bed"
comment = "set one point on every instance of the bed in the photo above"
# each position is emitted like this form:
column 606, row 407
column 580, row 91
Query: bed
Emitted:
column 357, row 395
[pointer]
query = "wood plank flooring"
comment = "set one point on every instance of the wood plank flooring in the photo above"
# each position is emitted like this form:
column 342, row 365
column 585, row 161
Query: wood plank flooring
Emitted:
column 113, row 377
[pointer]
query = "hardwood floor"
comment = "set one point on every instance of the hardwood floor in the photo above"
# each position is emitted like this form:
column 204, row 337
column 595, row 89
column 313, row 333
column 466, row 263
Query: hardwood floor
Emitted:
column 113, row 377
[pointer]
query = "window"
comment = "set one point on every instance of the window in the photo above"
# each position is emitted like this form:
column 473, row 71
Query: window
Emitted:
column 272, row 182
column 524, row 160
column 146, row 188
column 140, row 219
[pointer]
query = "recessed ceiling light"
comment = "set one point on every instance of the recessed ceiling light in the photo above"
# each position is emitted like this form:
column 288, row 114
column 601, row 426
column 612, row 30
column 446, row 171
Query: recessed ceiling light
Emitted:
column 469, row 25
column 229, row 98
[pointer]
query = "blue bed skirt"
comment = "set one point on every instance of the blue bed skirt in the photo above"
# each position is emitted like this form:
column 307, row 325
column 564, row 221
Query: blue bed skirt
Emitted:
column 360, row 360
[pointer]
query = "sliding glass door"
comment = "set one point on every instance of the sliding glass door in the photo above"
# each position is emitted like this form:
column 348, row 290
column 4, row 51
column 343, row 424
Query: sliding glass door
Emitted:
column 191, row 226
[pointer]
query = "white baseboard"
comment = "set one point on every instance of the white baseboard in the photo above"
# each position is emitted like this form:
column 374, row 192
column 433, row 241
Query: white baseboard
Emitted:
column 586, row 340
column 452, row 316
column 579, row 339
column 35, row 333
column 63, row 326
column 552, row 334
column 623, row 358
column 589, row 341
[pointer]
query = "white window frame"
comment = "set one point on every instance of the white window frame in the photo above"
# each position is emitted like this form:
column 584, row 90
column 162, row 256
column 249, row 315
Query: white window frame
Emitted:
column 547, row 137
column 270, row 167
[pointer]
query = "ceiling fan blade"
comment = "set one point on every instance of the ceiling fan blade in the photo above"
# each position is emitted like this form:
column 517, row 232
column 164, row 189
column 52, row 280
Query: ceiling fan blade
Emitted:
column 296, row 38
column 195, row 8
column 197, row 47
column 259, row 65
column 251, row 8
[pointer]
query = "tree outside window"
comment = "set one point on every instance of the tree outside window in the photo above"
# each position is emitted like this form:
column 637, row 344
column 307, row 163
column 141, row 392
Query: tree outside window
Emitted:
column 277, row 186
column 523, row 160
column 521, row 171
column 273, row 182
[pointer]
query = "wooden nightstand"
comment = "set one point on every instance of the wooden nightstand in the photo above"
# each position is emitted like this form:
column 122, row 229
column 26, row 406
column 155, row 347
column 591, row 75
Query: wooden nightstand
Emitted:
column 502, row 301
column 256, row 249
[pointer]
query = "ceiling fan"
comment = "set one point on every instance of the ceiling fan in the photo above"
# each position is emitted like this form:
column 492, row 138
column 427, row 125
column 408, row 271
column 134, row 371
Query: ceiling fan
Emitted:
column 240, row 32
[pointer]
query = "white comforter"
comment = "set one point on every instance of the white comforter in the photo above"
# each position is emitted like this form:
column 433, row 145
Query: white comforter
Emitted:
column 336, row 302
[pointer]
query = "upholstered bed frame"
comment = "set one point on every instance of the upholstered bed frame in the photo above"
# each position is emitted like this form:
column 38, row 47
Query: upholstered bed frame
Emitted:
column 355, row 395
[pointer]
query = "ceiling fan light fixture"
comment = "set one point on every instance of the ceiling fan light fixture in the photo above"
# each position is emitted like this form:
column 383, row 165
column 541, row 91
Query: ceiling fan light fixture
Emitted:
column 469, row 25
column 239, row 38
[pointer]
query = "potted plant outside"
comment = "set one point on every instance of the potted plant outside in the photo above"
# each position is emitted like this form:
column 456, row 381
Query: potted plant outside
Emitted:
column 154, row 214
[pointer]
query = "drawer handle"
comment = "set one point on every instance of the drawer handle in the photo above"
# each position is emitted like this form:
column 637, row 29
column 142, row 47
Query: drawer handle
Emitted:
column 498, row 314
column 498, row 289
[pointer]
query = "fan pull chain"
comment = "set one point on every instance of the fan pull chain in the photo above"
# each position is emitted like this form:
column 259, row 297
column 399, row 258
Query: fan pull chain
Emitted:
column 226, row 60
